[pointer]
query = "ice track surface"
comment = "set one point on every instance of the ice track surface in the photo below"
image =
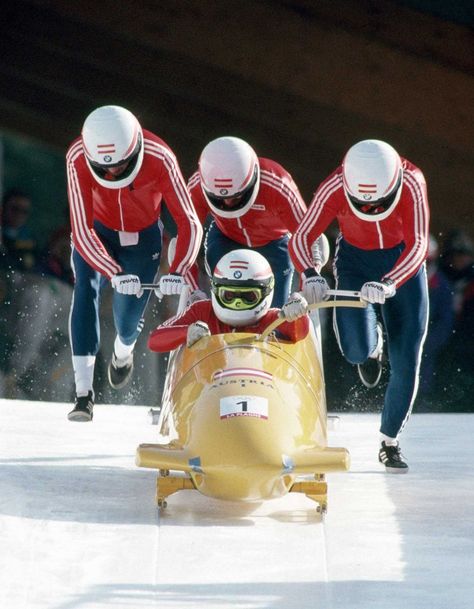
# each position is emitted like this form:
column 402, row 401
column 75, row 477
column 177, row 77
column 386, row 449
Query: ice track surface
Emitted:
column 79, row 528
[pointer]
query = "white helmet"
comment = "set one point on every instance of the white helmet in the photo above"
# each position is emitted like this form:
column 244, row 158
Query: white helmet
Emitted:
column 230, row 176
column 372, row 176
column 242, row 288
column 112, row 137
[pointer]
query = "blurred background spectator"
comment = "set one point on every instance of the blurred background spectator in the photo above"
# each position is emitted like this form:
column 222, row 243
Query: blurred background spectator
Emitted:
column 55, row 259
column 456, row 360
column 19, row 246
column 456, row 261
column 440, row 325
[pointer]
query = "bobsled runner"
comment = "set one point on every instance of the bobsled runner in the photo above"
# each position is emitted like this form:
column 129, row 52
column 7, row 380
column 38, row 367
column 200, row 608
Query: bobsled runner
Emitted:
column 244, row 418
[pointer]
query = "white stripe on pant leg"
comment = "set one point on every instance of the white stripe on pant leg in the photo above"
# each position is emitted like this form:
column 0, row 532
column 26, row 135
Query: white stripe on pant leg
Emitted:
column 420, row 352
column 83, row 366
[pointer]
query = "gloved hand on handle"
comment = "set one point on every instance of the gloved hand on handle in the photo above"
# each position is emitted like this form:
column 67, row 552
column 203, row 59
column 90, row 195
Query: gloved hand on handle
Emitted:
column 295, row 307
column 376, row 292
column 171, row 284
column 315, row 287
column 196, row 331
column 127, row 284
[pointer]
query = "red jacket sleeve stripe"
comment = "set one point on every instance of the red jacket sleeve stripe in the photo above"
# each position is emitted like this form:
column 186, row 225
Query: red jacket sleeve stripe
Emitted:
column 194, row 180
column 82, row 235
column 417, row 241
column 297, row 206
column 194, row 228
column 299, row 246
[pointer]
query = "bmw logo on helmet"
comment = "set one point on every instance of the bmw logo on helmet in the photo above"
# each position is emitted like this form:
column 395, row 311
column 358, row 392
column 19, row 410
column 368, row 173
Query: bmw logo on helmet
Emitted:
column 107, row 158
column 237, row 274
column 224, row 191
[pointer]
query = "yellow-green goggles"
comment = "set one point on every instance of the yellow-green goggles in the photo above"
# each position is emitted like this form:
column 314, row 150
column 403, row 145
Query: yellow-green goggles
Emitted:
column 239, row 299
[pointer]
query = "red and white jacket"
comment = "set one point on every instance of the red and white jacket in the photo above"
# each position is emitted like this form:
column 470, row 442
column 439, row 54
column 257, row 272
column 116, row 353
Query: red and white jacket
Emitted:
column 132, row 208
column 408, row 222
column 277, row 210
column 173, row 332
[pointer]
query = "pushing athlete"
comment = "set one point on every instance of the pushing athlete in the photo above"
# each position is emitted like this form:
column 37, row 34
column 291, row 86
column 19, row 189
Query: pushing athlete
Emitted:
column 254, row 204
column 380, row 203
column 118, row 174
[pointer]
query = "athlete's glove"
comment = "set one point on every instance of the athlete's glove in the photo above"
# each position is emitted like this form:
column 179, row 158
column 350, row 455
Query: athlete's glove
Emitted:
column 377, row 292
column 196, row 331
column 315, row 287
column 295, row 307
column 195, row 296
column 127, row 284
column 320, row 251
column 171, row 284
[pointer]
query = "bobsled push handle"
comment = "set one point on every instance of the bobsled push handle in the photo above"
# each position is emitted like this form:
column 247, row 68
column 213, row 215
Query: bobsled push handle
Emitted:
column 183, row 296
column 347, row 293
column 358, row 304
column 152, row 286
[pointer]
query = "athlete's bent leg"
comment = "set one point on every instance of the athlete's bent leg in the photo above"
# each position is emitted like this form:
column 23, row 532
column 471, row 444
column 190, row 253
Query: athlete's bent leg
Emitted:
column 355, row 329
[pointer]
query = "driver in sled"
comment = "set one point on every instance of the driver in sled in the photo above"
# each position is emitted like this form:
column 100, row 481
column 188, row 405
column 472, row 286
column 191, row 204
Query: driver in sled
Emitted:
column 241, row 293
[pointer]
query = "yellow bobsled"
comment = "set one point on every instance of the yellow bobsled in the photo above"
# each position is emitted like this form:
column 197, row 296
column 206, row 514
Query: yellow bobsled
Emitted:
column 244, row 418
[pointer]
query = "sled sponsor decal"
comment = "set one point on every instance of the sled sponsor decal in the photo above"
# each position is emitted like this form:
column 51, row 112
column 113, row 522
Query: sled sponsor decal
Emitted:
column 243, row 406
column 220, row 374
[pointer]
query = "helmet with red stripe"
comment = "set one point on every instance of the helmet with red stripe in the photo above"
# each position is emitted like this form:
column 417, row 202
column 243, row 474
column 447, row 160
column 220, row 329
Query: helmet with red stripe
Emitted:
column 230, row 176
column 113, row 146
column 242, row 288
column 372, row 176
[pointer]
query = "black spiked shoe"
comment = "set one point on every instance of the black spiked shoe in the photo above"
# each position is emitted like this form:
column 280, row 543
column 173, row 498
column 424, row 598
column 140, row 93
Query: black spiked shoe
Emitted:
column 392, row 458
column 83, row 409
column 120, row 371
